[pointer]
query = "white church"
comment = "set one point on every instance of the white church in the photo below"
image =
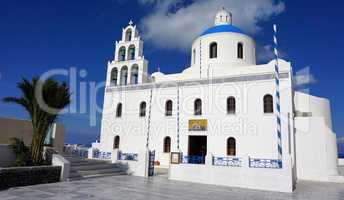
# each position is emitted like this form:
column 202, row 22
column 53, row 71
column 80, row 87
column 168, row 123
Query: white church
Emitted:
column 215, row 122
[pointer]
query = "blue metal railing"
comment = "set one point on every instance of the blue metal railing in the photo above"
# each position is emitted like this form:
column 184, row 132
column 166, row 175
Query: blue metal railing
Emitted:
column 128, row 156
column 81, row 152
column 265, row 163
column 193, row 160
column 227, row 161
column 102, row 155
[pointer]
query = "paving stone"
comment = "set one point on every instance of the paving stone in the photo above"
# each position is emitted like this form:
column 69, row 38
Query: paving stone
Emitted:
column 160, row 188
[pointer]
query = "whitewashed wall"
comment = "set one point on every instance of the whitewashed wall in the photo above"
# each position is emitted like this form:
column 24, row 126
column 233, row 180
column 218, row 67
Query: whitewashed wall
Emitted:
column 227, row 44
column 255, row 132
column 279, row 180
column 316, row 144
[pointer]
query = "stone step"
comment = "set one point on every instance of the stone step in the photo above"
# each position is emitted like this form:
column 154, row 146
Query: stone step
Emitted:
column 94, row 166
column 85, row 162
column 91, row 168
column 80, row 177
column 96, row 171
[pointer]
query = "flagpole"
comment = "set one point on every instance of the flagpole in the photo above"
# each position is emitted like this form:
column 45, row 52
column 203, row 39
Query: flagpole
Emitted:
column 277, row 97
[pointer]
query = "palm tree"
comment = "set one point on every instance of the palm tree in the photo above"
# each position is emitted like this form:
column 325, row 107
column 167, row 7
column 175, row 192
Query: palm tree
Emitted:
column 43, row 100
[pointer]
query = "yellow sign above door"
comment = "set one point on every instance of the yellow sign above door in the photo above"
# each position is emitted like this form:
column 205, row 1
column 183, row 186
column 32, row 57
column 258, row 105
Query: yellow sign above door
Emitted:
column 198, row 124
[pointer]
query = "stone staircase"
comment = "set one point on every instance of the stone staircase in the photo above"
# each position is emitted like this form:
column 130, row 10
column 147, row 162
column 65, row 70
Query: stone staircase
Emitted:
column 87, row 168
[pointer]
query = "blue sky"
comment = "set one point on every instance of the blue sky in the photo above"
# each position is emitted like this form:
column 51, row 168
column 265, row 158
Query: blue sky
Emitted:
column 38, row 35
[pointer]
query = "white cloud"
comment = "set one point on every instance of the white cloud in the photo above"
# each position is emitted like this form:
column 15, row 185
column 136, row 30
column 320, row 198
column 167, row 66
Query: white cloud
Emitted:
column 173, row 24
column 265, row 53
column 304, row 77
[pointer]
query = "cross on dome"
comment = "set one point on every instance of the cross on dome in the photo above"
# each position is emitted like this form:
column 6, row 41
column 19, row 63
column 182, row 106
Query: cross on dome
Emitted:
column 223, row 17
column 131, row 22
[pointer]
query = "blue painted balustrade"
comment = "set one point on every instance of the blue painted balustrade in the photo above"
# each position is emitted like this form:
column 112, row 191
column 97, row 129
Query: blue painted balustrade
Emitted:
column 193, row 160
column 227, row 161
column 265, row 163
column 128, row 156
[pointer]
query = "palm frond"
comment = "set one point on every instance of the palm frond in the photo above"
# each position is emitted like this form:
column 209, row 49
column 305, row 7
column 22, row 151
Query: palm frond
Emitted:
column 55, row 96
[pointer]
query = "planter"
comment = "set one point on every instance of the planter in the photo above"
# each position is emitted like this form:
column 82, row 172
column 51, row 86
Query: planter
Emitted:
column 24, row 176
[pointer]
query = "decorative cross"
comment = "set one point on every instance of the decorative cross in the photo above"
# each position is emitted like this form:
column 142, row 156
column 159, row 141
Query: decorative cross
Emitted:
column 131, row 22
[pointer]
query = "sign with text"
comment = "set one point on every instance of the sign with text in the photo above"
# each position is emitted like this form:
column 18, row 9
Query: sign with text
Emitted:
column 175, row 157
column 198, row 124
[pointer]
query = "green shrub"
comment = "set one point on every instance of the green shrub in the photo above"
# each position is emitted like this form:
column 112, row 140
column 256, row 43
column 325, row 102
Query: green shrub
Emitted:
column 21, row 151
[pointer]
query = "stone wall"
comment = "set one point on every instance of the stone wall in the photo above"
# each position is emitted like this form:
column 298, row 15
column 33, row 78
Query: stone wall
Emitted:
column 7, row 157
column 24, row 176
column 22, row 129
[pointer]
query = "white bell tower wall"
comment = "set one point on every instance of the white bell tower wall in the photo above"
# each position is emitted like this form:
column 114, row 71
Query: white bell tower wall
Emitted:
column 129, row 66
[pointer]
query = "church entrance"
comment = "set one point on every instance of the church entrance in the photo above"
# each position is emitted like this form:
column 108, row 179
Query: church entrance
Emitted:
column 197, row 149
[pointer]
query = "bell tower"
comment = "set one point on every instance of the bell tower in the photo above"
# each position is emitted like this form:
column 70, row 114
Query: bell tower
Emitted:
column 223, row 17
column 129, row 66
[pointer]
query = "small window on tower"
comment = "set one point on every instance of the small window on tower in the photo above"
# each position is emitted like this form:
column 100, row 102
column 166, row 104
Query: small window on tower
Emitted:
column 198, row 107
column 124, row 75
column 134, row 76
column 116, row 142
column 231, row 147
column 121, row 54
column 143, row 109
column 230, row 105
column 119, row 110
column 268, row 104
column 168, row 108
column 213, row 50
column 131, row 52
column 240, row 51
column 114, row 74
column 167, row 144
column 128, row 35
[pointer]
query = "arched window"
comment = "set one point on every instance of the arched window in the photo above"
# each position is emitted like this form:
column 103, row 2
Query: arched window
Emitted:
column 168, row 108
column 240, row 51
column 134, row 76
column 230, row 105
column 143, row 106
column 114, row 74
column 128, row 35
column 131, row 52
column 167, row 144
column 119, row 110
column 124, row 75
column 268, row 104
column 198, row 107
column 213, row 50
column 121, row 54
column 231, row 147
column 194, row 56
column 116, row 142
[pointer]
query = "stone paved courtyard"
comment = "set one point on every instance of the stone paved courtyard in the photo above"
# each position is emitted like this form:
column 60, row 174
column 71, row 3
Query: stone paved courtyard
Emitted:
column 129, row 187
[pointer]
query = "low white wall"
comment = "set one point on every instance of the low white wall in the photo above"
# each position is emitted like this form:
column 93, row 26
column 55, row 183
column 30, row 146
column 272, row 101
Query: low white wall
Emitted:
column 7, row 157
column 279, row 180
column 139, row 167
column 316, row 149
column 341, row 162
column 59, row 160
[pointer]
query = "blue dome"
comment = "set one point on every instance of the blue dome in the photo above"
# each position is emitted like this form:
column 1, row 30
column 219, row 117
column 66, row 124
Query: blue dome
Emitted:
column 223, row 29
